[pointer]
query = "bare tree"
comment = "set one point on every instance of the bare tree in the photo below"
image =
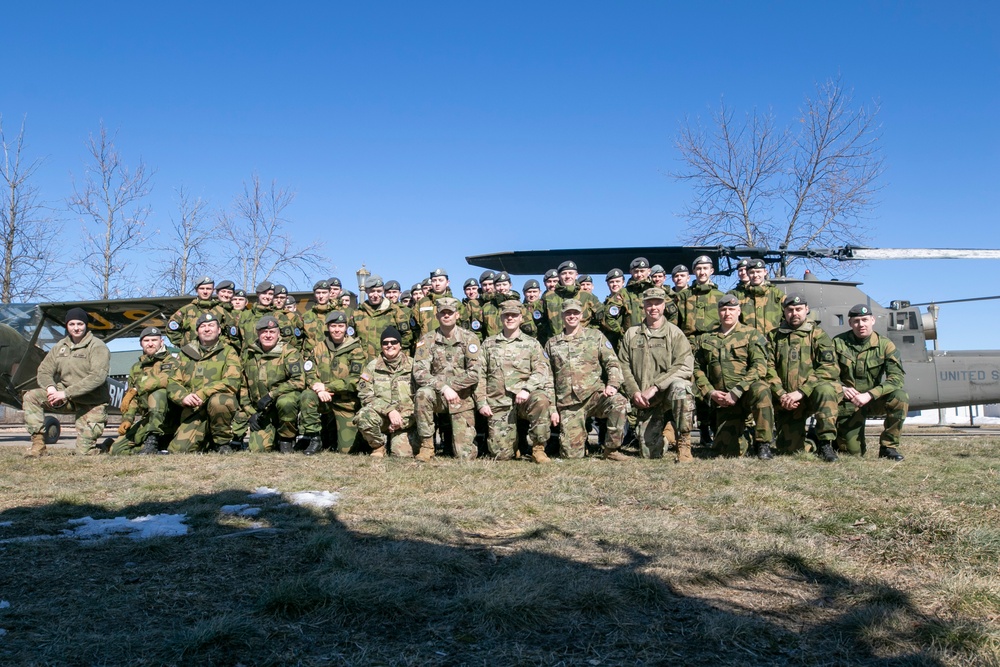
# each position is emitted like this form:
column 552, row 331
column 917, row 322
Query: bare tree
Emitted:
column 259, row 244
column 186, row 250
column 29, row 251
column 758, row 185
column 112, row 206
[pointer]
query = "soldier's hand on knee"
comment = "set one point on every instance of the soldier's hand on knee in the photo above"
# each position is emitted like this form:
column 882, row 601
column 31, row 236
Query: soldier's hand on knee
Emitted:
column 486, row 411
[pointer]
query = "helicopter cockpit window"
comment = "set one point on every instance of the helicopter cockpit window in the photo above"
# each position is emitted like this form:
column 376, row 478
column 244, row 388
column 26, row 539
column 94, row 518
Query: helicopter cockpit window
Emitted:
column 904, row 320
column 840, row 319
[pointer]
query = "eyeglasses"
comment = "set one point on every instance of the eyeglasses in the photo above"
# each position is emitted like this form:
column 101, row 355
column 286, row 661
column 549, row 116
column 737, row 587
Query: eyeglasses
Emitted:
column 389, row 343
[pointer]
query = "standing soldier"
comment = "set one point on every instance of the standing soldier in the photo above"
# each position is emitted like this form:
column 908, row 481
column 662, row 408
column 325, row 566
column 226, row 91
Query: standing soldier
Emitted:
column 742, row 276
column 516, row 383
column 680, row 277
column 230, row 320
column 446, row 368
column 252, row 314
column 472, row 304
column 149, row 419
column 587, row 378
column 72, row 378
column 730, row 374
column 392, row 291
column 532, row 291
column 618, row 313
column 657, row 275
column 551, row 322
column 182, row 325
column 272, row 372
column 314, row 320
column 657, row 364
column 289, row 321
column 802, row 371
column 385, row 389
column 551, row 281
column 872, row 376
column 373, row 316
column 239, row 303
column 204, row 383
column 332, row 371
column 424, row 312
column 492, row 305
column 586, row 283
column 760, row 301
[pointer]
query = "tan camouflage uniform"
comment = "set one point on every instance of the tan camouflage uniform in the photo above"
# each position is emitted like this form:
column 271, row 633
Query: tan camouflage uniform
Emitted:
column 382, row 388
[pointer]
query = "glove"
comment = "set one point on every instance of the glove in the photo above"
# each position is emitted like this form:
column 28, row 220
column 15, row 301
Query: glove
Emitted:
column 255, row 422
column 264, row 403
column 127, row 400
column 123, row 427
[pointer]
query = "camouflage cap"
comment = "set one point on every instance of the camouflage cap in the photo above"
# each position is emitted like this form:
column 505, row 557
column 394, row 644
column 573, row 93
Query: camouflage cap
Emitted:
column 638, row 263
column 655, row 269
column 150, row 331
column 859, row 310
column 794, row 300
column 447, row 303
column 280, row 289
column 530, row 284
column 471, row 282
column 551, row 273
column 336, row 317
column 265, row 286
column 568, row 265
column 322, row 284
column 373, row 281
column 702, row 259
column 392, row 285
column 240, row 292
column 680, row 268
column 572, row 304
column 486, row 276
column 654, row 293
column 510, row 307
column 728, row 300
column 334, row 282
column 204, row 280
column 756, row 264
column 614, row 273
column 225, row 284
column 502, row 277
column 439, row 273
column 585, row 278
column 266, row 322
column 206, row 317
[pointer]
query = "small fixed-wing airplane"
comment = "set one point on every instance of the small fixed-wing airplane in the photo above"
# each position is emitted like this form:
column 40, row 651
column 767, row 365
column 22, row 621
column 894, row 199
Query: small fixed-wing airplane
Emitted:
column 934, row 378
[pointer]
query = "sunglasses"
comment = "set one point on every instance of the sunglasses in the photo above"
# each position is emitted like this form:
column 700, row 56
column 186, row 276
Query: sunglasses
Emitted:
column 389, row 343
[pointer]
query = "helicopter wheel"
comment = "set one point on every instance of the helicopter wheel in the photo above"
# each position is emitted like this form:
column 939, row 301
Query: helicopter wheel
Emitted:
column 51, row 430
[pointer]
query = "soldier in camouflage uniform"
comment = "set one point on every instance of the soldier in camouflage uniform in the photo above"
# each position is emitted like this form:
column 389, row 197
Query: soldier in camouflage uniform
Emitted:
column 386, row 392
column 72, row 378
column 657, row 364
column 760, row 301
column 802, row 372
column 332, row 371
column 618, row 313
column 149, row 419
column 516, row 384
column 730, row 374
column 587, row 377
column 181, row 327
column 472, row 305
column 272, row 381
column 502, row 292
column 289, row 321
column 551, row 281
column 373, row 316
column 586, row 283
column 239, row 304
column 446, row 368
column 742, row 275
column 230, row 320
column 252, row 314
column 205, row 382
column 658, row 276
column 392, row 291
column 314, row 319
column 550, row 320
column 423, row 319
column 872, row 376
column 681, row 278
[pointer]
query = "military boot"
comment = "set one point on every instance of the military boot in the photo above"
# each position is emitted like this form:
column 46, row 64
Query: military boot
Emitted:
column 315, row 445
column 826, row 451
column 538, row 454
column 614, row 455
column 426, row 452
column 37, row 448
column 151, row 445
column 889, row 453
column 378, row 452
column 764, row 451
column 684, row 448
column 286, row 445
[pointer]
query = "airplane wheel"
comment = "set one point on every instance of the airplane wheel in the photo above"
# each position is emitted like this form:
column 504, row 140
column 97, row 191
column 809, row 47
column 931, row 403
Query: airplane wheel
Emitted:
column 51, row 430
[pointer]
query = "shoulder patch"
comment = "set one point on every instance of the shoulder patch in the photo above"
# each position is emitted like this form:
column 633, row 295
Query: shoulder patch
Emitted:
column 420, row 343
column 350, row 331
column 413, row 322
column 537, row 314
column 294, row 368
column 476, row 325
column 308, row 366
column 355, row 367
column 233, row 331
column 366, row 377
column 473, row 348
column 404, row 326
column 173, row 325
column 827, row 356
column 298, row 332
column 607, row 343
column 613, row 311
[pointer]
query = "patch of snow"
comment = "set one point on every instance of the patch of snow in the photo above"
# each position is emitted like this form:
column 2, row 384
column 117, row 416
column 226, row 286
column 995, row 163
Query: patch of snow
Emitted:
column 4, row 524
column 264, row 492
column 4, row 604
column 319, row 499
column 139, row 528
column 240, row 510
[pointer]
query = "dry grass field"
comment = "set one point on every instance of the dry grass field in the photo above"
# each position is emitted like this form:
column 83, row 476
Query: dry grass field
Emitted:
column 722, row 562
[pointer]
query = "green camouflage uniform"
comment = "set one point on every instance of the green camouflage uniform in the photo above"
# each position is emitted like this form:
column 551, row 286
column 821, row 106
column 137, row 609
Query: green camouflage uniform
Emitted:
column 698, row 308
column 735, row 362
column 870, row 365
column 760, row 306
column 582, row 365
column 230, row 323
column 550, row 323
column 278, row 373
column 290, row 326
column 81, row 370
column 509, row 366
column 658, row 357
column 182, row 326
column 619, row 316
column 382, row 388
column 370, row 322
column 151, row 412
column 314, row 325
column 491, row 312
column 634, row 289
column 338, row 368
column 803, row 360
column 474, row 318
column 213, row 374
column 452, row 361
column 423, row 318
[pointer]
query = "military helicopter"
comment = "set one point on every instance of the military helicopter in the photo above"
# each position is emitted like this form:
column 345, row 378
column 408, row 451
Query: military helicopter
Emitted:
column 934, row 378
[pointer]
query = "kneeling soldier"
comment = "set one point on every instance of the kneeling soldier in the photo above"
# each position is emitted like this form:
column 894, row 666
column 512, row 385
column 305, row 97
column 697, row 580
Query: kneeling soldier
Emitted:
column 872, row 376
column 386, row 392
column 272, row 372
column 149, row 419
column 517, row 384
column 730, row 369
column 204, row 383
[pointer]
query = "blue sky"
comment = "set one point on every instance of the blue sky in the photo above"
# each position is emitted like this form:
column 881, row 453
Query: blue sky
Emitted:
column 415, row 134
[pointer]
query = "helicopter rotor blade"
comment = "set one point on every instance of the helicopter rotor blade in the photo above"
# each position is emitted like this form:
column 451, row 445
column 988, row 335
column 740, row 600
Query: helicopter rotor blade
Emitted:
column 921, row 253
column 975, row 298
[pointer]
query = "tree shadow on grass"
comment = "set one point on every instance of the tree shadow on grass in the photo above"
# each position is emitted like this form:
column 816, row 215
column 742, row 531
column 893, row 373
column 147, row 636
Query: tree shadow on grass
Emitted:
column 298, row 587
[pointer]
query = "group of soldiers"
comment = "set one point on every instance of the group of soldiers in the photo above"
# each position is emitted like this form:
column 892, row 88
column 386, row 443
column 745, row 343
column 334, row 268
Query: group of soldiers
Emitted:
column 749, row 367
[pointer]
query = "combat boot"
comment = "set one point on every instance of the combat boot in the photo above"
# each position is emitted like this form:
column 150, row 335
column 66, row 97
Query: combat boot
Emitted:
column 286, row 445
column 538, row 454
column 614, row 455
column 37, row 448
column 151, row 445
column 426, row 452
column 764, row 451
column 378, row 452
column 315, row 445
column 684, row 448
column 826, row 451
column 889, row 453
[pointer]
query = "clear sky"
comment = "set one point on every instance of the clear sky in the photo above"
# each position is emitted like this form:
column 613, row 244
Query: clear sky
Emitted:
column 416, row 134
